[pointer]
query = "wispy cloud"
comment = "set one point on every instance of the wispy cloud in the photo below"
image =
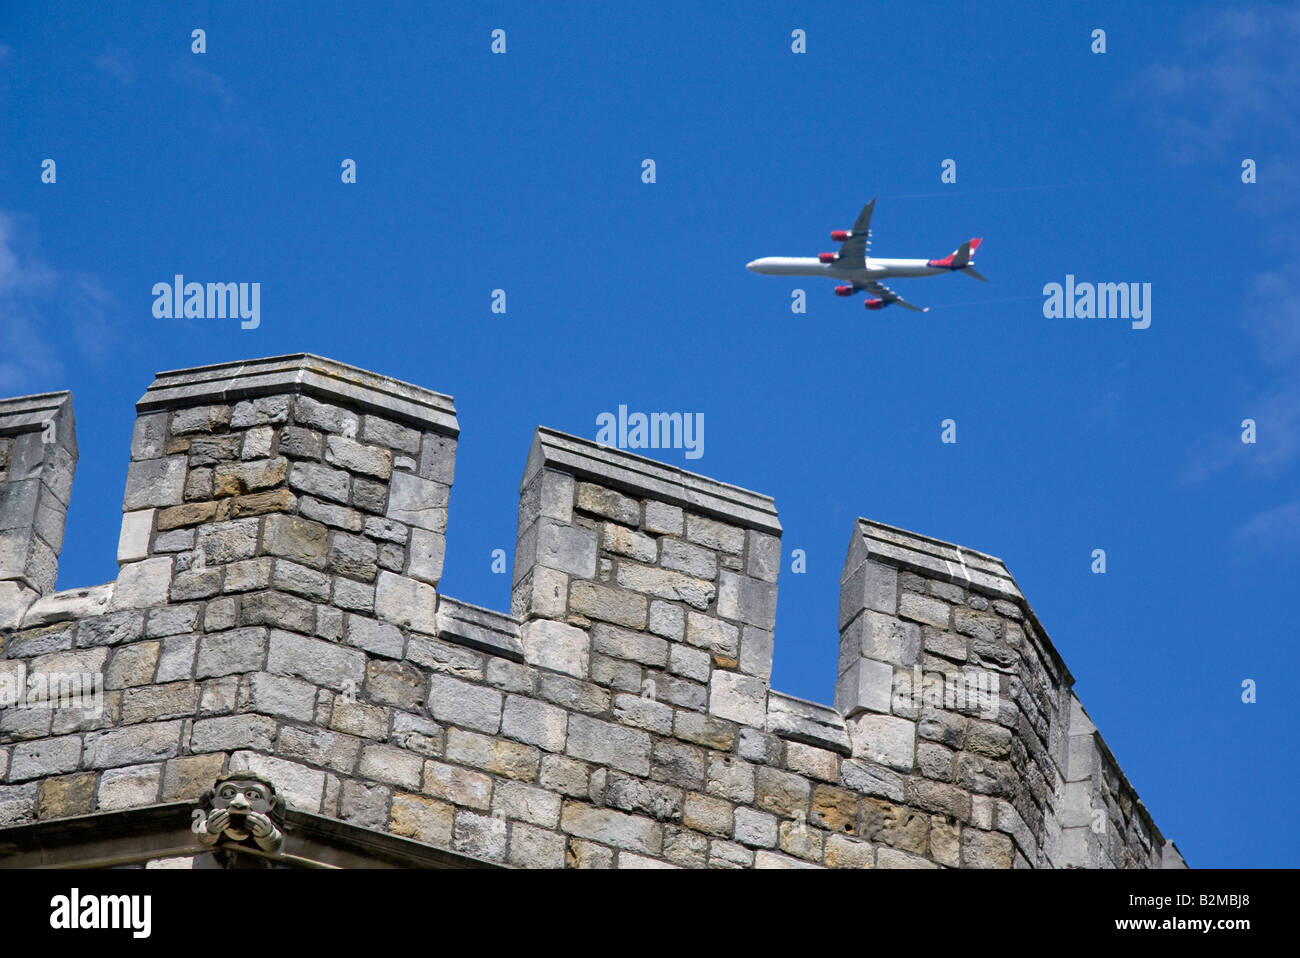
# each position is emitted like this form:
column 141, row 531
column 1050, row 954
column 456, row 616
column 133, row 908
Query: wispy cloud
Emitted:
column 1233, row 89
column 42, row 305
column 1239, row 76
column 1277, row 528
column 116, row 66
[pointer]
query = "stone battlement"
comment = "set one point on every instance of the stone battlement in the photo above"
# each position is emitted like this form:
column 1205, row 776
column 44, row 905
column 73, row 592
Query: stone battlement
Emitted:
column 277, row 610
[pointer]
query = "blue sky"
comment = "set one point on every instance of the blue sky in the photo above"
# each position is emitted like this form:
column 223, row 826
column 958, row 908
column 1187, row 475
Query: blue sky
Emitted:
column 522, row 171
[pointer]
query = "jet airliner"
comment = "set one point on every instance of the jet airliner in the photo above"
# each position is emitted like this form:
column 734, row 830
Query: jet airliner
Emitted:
column 857, row 270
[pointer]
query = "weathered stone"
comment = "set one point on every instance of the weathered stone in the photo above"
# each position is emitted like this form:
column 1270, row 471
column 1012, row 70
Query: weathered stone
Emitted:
column 392, row 765
column 319, row 662
column 714, row 535
column 154, row 703
column 554, row 645
column 230, row 541
column 278, row 695
column 535, row 723
column 64, row 796
column 532, row 847
column 886, row 739
column 501, row 758
column 464, row 704
column 606, row 502
column 142, row 584
column 419, row 502
column 133, row 745
column 377, row 638
column 660, row 517
column 747, row 600
column 612, row 828
column 608, row 744
column 129, row 787
column 45, row 757
column 241, row 650
column 644, row 713
column 628, row 542
column 185, row 779
column 132, row 665
column 278, row 609
column 154, row 482
column 740, row 698
column 398, row 684
column 227, row 733
column 406, row 602
column 608, row 604
column 665, row 584
column 667, row 620
column 423, row 819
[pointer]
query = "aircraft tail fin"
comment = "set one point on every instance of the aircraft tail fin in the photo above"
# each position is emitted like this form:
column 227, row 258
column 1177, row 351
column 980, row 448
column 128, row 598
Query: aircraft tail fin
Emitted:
column 962, row 256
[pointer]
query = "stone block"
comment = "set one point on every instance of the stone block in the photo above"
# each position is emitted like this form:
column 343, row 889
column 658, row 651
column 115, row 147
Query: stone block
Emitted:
column 142, row 584
column 509, row 759
column 535, row 723
column 153, row 483
column 316, row 661
column 885, row 739
column 608, row 744
column 554, row 645
column 133, row 541
column 739, row 698
column 129, row 787
column 608, row 604
column 867, row 685
column 464, row 704
column 665, row 584
column 406, row 602
column 422, row 819
column 231, row 732
column 613, row 828
column 747, row 600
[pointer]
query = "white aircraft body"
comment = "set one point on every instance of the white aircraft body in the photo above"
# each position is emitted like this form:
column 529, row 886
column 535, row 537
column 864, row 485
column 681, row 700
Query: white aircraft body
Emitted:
column 857, row 270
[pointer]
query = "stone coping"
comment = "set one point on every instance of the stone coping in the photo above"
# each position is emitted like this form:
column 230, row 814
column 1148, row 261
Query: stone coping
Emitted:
column 810, row 723
column 483, row 629
column 949, row 562
column 647, row 478
column 306, row 374
column 31, row 413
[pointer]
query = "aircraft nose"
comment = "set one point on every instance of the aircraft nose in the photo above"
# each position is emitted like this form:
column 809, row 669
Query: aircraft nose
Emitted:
column 752, row 266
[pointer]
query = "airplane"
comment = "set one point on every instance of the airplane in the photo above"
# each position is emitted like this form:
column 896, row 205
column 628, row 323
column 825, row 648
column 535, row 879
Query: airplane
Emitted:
column 860, row 271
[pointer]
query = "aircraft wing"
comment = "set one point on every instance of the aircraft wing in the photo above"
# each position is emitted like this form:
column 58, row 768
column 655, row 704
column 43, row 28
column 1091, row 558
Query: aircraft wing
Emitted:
column 854, row 249
column 889, row 296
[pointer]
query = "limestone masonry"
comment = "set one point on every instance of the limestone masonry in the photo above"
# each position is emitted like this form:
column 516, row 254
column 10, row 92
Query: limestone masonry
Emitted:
column 277, row 611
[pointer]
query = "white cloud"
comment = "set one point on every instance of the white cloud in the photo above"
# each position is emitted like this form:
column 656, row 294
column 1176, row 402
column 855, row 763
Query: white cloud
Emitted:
column 41, row 306
column 1278, row 527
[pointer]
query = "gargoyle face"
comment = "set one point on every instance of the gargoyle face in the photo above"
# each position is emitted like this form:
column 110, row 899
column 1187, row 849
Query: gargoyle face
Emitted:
column 239, row 797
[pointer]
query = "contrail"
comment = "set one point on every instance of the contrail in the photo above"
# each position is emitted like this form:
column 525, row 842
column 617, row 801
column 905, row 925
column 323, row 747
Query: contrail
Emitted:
column 982, row 302
column 1017, row 189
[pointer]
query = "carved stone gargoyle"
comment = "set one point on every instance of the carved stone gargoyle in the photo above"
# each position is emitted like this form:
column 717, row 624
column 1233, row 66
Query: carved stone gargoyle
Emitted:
column 242, row 808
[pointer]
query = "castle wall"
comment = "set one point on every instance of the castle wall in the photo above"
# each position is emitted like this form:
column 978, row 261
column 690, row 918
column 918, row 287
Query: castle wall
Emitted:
column 277, row 609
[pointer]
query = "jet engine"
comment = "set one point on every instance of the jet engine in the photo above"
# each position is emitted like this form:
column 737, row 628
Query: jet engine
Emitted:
column 874, row 303
column 843, row 290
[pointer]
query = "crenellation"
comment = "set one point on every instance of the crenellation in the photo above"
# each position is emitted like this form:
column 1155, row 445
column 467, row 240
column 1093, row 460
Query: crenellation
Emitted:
column 277, row 610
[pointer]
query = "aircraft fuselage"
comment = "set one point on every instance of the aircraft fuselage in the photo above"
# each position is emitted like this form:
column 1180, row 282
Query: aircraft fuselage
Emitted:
column 871, row 269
